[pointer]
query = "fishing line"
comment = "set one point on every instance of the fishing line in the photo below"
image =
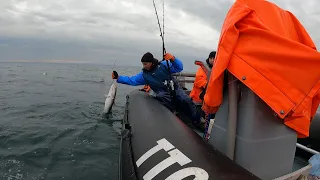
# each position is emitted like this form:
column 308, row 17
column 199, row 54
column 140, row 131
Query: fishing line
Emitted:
column 130, row 16
column 125, row 29
column 114, row 64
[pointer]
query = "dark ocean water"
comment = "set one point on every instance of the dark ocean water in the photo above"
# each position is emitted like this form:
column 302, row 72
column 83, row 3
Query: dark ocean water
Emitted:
column 51, row 123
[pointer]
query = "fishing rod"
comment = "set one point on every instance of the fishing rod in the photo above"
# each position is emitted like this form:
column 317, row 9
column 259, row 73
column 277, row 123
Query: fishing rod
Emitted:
column 114, row 64
column 161, row 32
column 169, row 84
column 163, row 48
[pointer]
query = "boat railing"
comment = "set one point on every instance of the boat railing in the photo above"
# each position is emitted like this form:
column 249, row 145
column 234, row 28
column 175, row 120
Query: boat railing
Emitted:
column 184, row 78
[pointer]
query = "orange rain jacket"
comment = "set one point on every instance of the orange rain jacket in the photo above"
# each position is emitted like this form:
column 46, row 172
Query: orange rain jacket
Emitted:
column 198, row 85
column 268, row 50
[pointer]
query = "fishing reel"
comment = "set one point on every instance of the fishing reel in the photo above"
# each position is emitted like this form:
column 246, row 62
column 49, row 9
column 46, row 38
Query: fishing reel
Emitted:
column 169, row 84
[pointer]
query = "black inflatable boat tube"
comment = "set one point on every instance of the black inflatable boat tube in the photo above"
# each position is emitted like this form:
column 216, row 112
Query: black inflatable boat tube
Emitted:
column 157, row 145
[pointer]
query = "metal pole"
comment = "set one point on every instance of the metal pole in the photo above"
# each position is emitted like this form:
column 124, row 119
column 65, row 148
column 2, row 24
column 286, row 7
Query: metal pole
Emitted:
column 185, row 80
column 184, row 74
column 307, row 149
column 232, row 115
column 181, row 80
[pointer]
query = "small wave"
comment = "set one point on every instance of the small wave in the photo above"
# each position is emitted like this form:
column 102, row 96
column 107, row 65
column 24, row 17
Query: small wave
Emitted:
column 40, row 116
column 20, row 92
column 38, row 111
column 11, row 168
column 5, row 67
column 99, row 103
column 12, row 74
column 117, row 126
column 16, row 80
column 58, row 95
column 7, row 108
column 85, row 114
column 43, row 83
column 38, row 93
column 82, row 91
column 36, row 153
column 62, row 134
column 67, row 114
column 37, row 106
column 58, row 77
column 86, row 81
column 66, row 111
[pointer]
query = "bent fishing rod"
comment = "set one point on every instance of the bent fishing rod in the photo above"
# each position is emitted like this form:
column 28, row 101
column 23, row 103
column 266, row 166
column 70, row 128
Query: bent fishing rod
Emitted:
column 161, row 32
column 169, row 84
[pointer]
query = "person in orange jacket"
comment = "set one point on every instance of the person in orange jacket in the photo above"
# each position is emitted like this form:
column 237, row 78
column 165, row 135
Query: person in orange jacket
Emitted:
column 200, row 82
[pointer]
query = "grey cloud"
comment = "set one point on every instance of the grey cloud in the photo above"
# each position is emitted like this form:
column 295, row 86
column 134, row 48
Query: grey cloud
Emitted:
column 307, row 13
column 125, row 52
column 108, row 31
column 210, row 12
column 214, row 12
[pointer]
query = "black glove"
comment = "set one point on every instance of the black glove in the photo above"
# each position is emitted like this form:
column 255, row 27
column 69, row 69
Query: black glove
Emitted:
column 115, row 75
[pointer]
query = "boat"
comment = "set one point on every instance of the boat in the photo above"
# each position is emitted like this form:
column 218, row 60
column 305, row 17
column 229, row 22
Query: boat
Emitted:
column 158, row 144
column 248, row 140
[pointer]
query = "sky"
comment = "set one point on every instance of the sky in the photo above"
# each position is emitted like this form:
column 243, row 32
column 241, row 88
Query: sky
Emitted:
column 121, row 31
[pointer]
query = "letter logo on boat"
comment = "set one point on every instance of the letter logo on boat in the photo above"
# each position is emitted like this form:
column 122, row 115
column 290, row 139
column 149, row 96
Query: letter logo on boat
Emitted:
column 176, row 156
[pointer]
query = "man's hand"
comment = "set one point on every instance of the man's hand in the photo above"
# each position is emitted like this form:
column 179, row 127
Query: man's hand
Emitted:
column 169, row 57
column 115, row 75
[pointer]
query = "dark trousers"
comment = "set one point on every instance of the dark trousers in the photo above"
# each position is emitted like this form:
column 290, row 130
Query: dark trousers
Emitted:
column 183, row 103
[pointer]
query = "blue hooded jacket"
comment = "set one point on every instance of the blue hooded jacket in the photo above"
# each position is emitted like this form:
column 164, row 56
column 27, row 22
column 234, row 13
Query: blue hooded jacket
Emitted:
column 155, row 77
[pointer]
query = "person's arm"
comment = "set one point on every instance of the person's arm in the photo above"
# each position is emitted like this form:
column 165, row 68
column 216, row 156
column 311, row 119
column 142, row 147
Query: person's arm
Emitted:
column 201, row 79
column 135, row 80
column 175, row 64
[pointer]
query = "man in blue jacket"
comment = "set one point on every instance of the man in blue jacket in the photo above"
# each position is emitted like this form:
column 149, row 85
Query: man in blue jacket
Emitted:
column 155, row 74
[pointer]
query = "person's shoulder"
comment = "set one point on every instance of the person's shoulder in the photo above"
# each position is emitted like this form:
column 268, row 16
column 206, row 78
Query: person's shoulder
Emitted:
column 200, row 71
column 163, row 64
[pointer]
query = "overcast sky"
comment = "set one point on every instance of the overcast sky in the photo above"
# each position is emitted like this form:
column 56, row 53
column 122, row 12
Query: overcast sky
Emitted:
column 104, row 31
